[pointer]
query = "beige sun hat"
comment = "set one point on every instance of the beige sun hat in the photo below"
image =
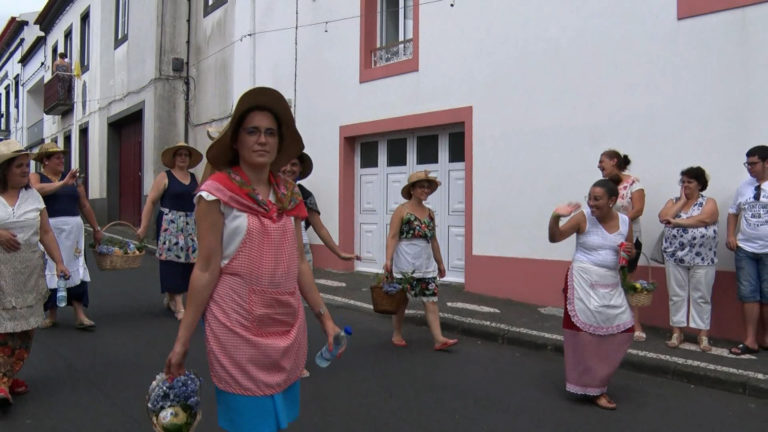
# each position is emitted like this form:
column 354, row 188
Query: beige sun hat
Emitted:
column 221, row 153
column 417, row 177
column 168, row 153
column 46, row 150
column 10, row 149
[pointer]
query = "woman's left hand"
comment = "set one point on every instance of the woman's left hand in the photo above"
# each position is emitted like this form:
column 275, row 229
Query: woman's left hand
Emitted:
column 97, row 237
column 61, row 269
column 440, row 271
column 331, row 329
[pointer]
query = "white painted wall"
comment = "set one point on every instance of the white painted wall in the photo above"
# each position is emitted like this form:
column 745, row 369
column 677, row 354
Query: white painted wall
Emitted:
column 552, row 85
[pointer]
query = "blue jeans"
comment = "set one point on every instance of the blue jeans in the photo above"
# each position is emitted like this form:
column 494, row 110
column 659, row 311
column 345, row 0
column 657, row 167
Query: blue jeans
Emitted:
column 752, row 276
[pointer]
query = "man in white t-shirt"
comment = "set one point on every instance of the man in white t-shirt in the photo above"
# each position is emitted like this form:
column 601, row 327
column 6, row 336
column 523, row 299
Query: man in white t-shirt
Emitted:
column 749, row 213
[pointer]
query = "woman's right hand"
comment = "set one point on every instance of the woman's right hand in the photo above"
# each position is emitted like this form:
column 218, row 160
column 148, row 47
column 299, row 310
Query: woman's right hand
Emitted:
column 388, row 267
column 174, row 364
column 567, row 209
column 141, row 232
column 8, row 241
column 71, row 177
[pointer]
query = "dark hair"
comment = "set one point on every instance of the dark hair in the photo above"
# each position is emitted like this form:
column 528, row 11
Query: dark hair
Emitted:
column 610, row 185
column 622, row 161
column 697, row 174
column 761, row 152
column 62, row 55
column 239, row 123
column 4, row 168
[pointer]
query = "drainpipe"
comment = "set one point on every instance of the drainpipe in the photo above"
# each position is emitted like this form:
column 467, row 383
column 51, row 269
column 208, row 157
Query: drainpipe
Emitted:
column 186, row 76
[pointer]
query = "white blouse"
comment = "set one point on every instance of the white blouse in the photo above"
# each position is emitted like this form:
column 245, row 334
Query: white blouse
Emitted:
column 23, row 219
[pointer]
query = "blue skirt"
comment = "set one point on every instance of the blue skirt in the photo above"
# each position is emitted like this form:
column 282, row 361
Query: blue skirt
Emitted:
column 238, row 413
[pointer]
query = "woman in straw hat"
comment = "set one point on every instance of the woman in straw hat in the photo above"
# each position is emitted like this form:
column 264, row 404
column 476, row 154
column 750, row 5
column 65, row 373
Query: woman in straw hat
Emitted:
column 66, row 200
column 251, row 273
column 175, row 227
column 413, row 256
column 23, row 223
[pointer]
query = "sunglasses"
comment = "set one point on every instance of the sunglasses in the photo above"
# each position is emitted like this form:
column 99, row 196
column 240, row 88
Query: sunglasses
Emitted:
column 758, row 192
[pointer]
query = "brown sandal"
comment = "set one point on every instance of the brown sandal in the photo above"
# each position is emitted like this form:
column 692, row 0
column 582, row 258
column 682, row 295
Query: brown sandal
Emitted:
column 604, row 402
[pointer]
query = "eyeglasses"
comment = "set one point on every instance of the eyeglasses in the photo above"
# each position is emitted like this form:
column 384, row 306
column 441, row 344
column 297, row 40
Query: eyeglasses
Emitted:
column 256, row 132
column 758, row 192
column 750, row 164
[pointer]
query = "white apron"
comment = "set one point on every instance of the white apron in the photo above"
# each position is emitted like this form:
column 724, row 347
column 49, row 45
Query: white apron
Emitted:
column 596, row 302
column 69, row 232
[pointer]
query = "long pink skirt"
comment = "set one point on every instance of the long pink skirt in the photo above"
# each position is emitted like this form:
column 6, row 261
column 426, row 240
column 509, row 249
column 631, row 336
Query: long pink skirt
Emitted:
column 591, row 360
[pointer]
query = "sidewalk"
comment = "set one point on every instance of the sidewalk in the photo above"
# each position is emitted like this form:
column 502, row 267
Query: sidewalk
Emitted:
column 509, row 322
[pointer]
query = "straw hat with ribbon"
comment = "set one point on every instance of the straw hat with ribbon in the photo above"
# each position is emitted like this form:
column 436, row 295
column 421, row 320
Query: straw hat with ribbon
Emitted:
column 417, row 177
column 10, row 149
column 195, row 157
column 221, row 153
column 47, row 150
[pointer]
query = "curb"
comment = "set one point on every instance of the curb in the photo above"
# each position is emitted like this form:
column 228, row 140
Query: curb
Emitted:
column 635, row 360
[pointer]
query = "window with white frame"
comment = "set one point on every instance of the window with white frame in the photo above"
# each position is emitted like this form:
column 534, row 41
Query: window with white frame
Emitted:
column 121, row 22
column 395, row 38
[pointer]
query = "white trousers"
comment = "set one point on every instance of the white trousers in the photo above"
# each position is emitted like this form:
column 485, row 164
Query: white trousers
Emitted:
column 690, row 285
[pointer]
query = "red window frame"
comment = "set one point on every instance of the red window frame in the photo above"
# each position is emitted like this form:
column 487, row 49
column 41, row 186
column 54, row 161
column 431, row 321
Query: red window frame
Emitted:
column 368, row 43
column 691, row 8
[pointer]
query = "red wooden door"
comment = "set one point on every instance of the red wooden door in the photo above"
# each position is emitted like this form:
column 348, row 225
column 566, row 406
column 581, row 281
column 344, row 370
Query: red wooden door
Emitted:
column 130, row 172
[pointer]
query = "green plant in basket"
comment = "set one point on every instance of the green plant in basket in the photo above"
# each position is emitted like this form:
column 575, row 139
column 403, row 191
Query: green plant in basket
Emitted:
column 635, row 287
column 118, row 246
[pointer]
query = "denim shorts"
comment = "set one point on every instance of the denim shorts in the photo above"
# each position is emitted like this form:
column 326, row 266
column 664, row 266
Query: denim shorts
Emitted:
column 752, row 276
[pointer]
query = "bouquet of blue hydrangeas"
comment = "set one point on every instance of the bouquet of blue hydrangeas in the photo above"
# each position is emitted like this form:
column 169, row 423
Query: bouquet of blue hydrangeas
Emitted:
column 173, row 405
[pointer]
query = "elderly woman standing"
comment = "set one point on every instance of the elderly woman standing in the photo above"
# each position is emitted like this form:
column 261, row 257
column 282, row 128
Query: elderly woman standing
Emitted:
column 65, row 200
column 251, row 273
column 631, row 202
column 690, row 256
column 597, row 323
column 413, row 256
column 23, row 223
column 175, row 223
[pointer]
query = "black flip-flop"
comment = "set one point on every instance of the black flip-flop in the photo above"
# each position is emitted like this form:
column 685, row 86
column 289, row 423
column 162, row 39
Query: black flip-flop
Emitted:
column 742, row 349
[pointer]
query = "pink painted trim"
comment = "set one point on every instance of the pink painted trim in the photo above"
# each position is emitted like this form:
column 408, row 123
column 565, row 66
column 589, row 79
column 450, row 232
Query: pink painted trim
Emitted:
column 349, row 133
column 691, row 8
column 368, row 32
column 589, row 328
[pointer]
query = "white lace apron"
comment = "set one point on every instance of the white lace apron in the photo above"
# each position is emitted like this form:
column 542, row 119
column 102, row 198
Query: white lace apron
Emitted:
column 69, row 234
column 596, row 301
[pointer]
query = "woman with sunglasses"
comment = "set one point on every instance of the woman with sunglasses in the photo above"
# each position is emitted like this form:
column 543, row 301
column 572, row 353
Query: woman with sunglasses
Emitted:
column 690, row 256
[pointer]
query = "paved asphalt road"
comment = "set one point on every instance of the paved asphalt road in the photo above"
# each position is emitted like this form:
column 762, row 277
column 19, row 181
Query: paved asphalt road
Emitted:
column 97, row 381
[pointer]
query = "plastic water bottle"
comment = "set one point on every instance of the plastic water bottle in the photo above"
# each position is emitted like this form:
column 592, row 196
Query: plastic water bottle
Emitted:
column 325, row 356
column 61, row 292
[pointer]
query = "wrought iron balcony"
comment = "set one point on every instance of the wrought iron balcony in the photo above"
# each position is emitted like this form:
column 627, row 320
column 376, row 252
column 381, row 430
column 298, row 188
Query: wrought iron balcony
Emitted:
column 393, row 53
column 57, row 94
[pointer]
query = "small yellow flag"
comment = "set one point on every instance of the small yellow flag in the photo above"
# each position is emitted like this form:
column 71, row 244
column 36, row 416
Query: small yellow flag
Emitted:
column 77, row 72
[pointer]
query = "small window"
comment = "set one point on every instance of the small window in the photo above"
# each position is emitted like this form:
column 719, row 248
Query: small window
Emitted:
column 85, row 40
column 54, row 55
column 16, row 96
column 7, row 110
column 397, row 152
column 456, row 147
column 211, row 5
column 121, row 22
column 395, row 32
column 369, row 154
column 426, row 149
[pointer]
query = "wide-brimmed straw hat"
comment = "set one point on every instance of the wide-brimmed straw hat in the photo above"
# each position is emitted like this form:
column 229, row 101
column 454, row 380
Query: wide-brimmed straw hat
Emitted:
column 10, row 149
column 47, row 150
column 306, row 166
column 221, row 153
column 169, row 152
column 417, row 177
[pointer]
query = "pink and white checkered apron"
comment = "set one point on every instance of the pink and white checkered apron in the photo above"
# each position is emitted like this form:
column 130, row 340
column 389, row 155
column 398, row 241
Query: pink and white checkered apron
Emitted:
column 255, row 329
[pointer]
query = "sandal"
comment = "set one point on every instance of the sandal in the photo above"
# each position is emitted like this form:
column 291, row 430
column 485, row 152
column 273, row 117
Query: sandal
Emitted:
column 179, row 314
column 742, row 349
column 47, row 323
column 18, row 387
column 604, row 402
column 639, row 336
column 85, row 324
column 5, row 397
column 704, row 344
column 676, row 340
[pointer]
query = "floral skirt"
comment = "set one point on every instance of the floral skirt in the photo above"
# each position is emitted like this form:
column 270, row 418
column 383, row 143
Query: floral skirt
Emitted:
column 14, row 350
column 420, row 288
column 176, row 236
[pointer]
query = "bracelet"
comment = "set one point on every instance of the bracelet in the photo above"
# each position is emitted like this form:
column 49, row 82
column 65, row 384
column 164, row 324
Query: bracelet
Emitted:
column 320, row 312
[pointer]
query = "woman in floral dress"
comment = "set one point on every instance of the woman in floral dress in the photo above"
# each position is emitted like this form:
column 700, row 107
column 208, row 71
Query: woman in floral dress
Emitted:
column 176, row 233
column 690, row 256
column 413, row 256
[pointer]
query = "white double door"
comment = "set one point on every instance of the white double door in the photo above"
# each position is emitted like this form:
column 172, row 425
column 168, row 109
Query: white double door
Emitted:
column 383, row 164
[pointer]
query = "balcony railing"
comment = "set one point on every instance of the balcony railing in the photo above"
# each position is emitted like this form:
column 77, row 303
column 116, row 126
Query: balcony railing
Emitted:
column 57, row 94
column 393, row 53
column 35, row 133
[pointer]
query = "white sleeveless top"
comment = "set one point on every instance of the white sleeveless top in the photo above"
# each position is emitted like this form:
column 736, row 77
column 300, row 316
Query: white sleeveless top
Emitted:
column 597, row 247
